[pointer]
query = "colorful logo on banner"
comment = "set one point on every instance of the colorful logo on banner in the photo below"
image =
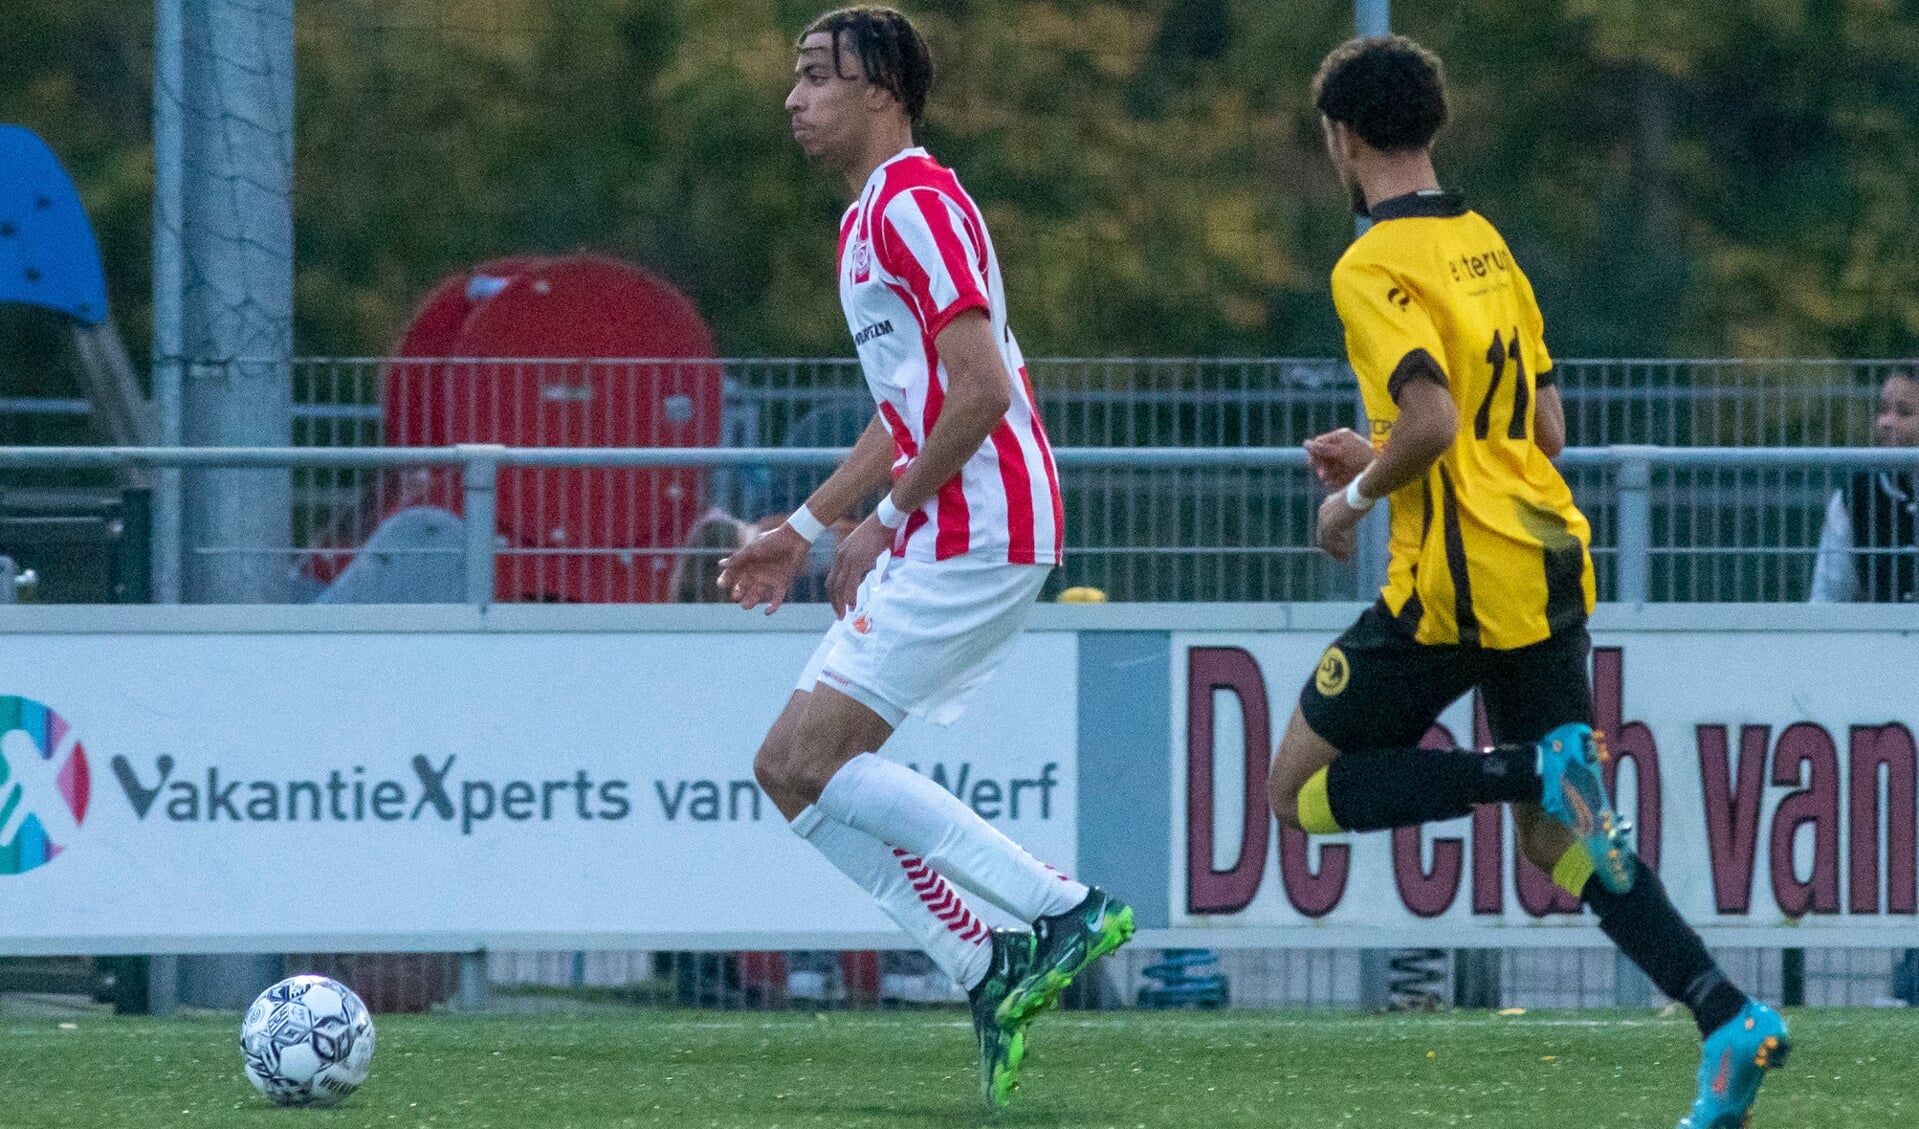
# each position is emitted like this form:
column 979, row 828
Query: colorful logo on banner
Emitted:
column 44, row 784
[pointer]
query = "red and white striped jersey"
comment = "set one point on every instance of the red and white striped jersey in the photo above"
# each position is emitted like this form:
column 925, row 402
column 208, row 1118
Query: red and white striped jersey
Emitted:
column 914, row 254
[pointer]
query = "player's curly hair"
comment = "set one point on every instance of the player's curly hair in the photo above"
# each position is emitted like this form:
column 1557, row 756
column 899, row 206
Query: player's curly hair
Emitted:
column 1389, row 90
column 889, row 48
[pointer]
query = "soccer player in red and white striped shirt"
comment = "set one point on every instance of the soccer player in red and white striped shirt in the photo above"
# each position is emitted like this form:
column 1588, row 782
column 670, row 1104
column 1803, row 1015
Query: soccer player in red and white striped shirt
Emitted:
column 933, row 588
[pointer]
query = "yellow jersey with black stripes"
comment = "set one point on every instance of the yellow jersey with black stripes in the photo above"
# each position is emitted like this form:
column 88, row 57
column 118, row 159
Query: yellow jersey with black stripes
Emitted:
column 1488, row 549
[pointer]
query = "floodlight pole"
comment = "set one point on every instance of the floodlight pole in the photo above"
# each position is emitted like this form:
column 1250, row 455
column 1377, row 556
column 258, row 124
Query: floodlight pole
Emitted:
column 236, row 291
column 169, row 92
column 223, row 281
column 1371, row 19
column 163, row 971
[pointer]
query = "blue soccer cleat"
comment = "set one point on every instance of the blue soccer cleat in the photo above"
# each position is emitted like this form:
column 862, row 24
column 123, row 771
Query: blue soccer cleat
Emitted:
column 1736, row 1059
column 1574, row 794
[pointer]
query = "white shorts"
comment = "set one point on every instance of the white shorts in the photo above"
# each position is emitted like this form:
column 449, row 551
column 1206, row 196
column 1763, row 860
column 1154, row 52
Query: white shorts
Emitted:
column 924, row 636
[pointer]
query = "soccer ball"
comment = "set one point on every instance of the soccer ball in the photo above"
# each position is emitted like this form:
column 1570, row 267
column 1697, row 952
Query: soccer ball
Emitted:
column 307, row 1040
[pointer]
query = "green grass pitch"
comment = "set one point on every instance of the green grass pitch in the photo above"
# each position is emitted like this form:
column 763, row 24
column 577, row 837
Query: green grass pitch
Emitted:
column 898, row 1070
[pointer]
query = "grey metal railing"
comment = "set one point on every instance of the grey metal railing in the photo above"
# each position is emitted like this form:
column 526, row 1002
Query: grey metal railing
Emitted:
column 1642, row 481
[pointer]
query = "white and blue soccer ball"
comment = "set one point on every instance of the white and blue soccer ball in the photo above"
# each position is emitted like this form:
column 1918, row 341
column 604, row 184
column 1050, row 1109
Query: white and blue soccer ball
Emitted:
column 307, row 1040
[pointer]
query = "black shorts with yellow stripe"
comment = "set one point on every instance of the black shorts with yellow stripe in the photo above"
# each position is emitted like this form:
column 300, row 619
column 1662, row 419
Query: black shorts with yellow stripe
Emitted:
column 1375, row 688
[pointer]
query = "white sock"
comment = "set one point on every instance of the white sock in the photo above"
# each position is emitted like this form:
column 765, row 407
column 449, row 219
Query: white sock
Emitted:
column 918, row 900
column 896, row 805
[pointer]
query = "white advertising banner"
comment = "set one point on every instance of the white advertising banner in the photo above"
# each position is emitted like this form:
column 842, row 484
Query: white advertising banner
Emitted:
column 1770, row 775
column 266, row 791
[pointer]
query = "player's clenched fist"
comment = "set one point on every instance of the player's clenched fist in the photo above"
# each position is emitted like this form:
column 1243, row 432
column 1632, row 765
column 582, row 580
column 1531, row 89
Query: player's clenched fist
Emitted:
column 1337, row 457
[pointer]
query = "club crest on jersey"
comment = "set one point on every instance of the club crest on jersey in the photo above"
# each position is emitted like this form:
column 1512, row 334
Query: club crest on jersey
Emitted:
column 1333, row 673
column 862, row 261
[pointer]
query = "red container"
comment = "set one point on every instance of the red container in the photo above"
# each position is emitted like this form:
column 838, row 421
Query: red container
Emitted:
column 564, row 352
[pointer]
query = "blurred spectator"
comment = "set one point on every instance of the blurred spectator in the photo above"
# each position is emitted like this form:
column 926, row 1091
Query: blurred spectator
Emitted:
column 833, row 422
column 696, row 573
column 717, row 533
column 1869, row 547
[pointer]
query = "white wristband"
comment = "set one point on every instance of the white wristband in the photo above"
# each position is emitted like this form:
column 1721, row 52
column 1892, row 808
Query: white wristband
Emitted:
column 889, row 514
column 802, row 522
column 1357, row 502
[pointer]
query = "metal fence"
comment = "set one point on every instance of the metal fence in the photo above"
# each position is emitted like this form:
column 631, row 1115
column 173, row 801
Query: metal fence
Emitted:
column 1198, row 402
column 1219, row 532
column 1231, row 530
column 1224, row 532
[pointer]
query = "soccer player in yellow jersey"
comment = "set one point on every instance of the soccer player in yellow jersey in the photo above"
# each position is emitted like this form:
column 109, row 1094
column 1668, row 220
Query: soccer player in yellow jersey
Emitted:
column 1490, row 581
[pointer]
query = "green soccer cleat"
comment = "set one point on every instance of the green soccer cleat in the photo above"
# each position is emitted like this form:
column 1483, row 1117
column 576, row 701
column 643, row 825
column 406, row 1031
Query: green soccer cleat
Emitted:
column 1002, row 1043
column 1736, row 1059
column 1066, row 945
column 1575, row 795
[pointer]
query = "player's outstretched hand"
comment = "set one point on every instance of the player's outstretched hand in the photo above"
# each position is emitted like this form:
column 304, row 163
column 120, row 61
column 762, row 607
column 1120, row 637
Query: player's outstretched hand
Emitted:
column 1337, row 523
column 853, row 561
column 761, row 571
column 1337, row 457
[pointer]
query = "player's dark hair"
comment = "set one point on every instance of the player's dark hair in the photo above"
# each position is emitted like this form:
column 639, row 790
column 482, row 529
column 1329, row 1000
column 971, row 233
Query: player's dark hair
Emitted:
column 889, row 48
column 1388, row 90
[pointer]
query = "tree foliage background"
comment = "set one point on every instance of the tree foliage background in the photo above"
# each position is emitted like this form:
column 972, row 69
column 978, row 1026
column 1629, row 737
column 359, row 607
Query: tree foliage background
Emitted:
column 1680, row 177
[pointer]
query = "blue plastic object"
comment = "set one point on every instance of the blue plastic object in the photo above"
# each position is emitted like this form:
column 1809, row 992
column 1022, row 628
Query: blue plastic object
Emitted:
column 1176, row 983
column 48, row 255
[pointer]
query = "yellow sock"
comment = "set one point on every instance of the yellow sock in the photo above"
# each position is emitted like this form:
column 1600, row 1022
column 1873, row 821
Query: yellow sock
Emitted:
column 1316, row 811
column 1573, row 869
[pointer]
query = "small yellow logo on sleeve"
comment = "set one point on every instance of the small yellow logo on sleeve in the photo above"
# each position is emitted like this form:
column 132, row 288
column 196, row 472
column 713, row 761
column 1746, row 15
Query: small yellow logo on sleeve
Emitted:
column 1333, row 671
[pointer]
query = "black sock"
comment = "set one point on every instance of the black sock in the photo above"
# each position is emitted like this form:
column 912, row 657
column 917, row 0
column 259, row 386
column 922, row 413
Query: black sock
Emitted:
column 1374, row 789
column 1647, row 927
